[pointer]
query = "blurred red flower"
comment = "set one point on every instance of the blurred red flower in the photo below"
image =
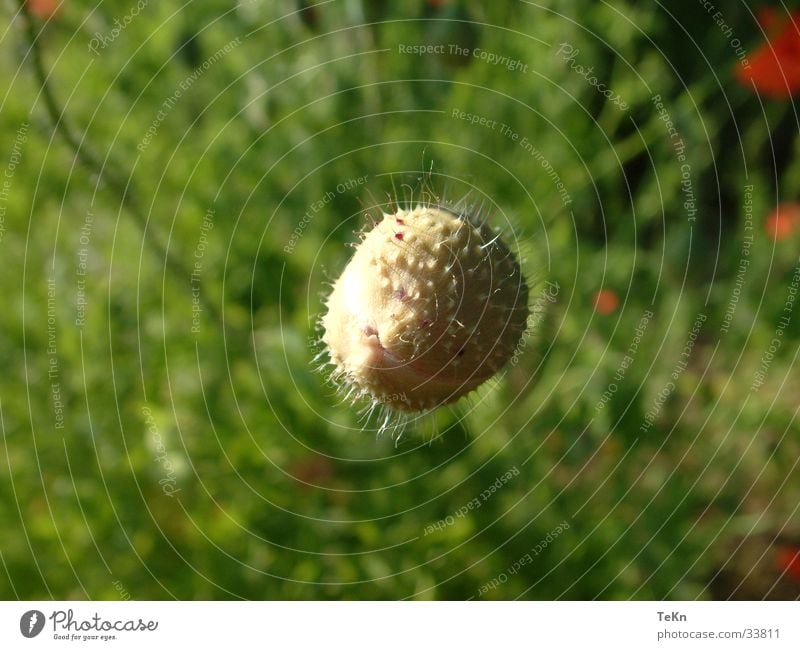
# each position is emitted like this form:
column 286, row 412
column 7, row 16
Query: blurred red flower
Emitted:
column 43, row 9
column 774, row 68
column 788, row 561
column 783, row 221
column 311, row 470
column 606, row 301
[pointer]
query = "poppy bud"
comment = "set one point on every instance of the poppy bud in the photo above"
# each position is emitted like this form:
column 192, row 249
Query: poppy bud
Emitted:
column 430, row 306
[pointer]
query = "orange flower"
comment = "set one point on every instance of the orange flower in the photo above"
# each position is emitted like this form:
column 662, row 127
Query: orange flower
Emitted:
column 788, row 561
column 783, row 221
column 43, row 9
column 606, row 301
column 768, row 19
column 774, row 68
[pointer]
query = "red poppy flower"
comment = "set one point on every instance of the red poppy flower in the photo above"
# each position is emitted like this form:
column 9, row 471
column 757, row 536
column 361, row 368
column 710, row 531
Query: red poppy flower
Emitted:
column 787, row 561
column 774, row 68
column 606, row 301
column 783, row 221
column 768, row 18
column 43, row 9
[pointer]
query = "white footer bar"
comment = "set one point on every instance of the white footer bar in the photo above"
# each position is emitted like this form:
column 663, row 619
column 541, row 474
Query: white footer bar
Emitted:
column 389, row 625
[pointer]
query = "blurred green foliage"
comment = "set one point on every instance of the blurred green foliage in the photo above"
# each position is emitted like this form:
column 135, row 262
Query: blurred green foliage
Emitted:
column 280, row 493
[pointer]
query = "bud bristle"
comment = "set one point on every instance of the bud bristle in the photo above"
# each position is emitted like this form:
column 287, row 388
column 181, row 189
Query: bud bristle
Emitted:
column 430, row 306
